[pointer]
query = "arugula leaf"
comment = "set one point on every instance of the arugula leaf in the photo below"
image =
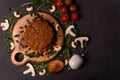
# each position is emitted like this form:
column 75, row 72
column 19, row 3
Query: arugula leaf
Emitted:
column 51, row 53
column 34, row 55
column 40, row 66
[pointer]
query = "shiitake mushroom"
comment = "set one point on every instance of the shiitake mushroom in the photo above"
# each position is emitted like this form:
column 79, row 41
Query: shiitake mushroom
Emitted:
column 55, row 66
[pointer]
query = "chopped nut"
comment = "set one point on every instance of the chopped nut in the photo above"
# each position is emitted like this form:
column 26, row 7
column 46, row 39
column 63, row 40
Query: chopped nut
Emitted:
column 56, row 48
column 29, row 8
column 53, row 9
column 43, row 72
column 73, row 44
column 16, row 14
column 66, row 62
column 12, row 46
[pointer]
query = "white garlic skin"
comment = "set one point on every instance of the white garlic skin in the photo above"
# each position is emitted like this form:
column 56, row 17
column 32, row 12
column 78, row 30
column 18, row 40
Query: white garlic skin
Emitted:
column 76, row 61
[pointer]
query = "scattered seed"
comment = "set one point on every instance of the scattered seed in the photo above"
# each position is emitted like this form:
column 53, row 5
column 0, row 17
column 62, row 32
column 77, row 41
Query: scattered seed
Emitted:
column 21, row 27
column 17, row 35
column 17, row 41
column 21, row 31
column 29, row 49
column 26, row 25
column 26, row 46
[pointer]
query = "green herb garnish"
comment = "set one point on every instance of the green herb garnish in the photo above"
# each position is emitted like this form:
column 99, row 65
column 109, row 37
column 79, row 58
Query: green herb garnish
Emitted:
column 34, row 55
column 51, row 53
column 68, row 39
column 40, row 66
column 85, row 44
column 67, row 53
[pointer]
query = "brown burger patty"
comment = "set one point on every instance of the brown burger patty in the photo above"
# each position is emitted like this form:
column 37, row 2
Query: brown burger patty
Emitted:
column 38, row 35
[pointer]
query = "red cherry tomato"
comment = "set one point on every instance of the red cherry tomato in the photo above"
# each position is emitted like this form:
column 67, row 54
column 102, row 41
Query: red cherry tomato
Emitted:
column 64, row 10
column 68, row 2
column 73, row 8
column 60, row 5
column 74, row 16
column 64, row 18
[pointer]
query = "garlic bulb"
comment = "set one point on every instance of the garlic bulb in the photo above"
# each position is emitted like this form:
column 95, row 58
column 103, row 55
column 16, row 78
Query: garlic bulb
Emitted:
column 76, row 61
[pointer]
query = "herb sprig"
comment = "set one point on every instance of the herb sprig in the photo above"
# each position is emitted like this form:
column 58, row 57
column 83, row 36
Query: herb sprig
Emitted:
column 34, row 55
column 40, row 66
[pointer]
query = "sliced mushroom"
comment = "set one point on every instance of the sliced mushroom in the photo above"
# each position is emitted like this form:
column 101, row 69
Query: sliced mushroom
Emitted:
column 57, row 48
column 5, row 25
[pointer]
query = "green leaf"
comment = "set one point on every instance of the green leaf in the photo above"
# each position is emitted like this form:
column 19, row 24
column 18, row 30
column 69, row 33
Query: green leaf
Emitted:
column 68, row 39
column 7, row 40
column 67, row 53
column 40, row 66
column 34, row 55
column 51, row 53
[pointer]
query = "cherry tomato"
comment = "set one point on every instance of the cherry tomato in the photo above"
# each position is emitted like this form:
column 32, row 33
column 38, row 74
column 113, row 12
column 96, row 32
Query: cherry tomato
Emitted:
column 73, row 8
column 64, row 18
column 68, row 2
column 59, row 3
column 74, row 16
column 64, row 10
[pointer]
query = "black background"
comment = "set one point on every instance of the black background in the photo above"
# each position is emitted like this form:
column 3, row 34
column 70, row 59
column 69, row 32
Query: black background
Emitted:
column 100, row 19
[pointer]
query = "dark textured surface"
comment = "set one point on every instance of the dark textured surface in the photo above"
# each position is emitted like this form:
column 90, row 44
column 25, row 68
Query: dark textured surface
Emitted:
column 100, row 19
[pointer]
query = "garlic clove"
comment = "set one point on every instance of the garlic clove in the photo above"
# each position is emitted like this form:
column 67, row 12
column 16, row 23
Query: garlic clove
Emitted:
column 76, row 61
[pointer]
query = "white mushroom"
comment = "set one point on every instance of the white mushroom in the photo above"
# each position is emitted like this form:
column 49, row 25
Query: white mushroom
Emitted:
column 12, row 46
column 29, row 8
column 69, row 31
column 43, row 72
column 73, row 44
column 57, row 48
column 31, row 69
column 56, row 27
column 5, row 25
column 81, row 39
column 16, row 14
column 53, row 8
